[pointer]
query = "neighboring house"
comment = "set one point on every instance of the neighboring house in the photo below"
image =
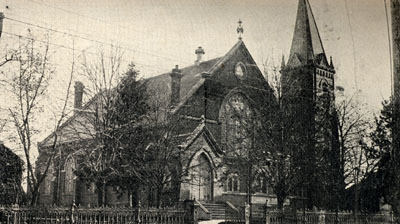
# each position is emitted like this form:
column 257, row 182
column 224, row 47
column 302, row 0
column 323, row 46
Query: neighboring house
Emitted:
column 206, row 96
column 11, row 167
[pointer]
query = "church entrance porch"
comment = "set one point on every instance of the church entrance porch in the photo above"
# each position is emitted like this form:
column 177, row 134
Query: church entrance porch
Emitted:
column 201, row 179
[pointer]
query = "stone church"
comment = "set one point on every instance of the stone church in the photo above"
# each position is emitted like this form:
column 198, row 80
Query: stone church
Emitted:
column 207, row 96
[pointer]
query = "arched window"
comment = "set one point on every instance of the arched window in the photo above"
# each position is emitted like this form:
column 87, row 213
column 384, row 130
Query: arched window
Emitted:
column 69, row 169
column 236, row 124
column 261, row 184
column 240, row 70
column 324, row 95
column 233, row 183
column 48, row 180
column 325, row 87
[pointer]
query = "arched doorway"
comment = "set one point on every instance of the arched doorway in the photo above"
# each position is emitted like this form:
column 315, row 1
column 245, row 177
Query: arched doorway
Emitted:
column 202, row 179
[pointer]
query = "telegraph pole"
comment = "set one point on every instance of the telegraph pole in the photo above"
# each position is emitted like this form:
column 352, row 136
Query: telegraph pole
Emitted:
column 395, row 150
column 395, row 14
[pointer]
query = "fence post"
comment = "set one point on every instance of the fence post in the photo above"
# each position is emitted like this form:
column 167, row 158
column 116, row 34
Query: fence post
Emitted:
column 139, row 205
column 321, row 217
column 391, row 217
column 247, row 213
column 266, row 215
column 15, row 210
column 191, row 212
column 72, row 218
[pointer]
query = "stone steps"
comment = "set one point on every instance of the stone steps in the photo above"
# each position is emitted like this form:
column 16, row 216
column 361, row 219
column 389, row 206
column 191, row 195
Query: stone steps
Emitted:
column 217, row 210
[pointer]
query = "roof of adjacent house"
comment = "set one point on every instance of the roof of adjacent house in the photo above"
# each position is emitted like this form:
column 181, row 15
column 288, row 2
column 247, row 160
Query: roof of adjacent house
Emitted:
column 7, row 153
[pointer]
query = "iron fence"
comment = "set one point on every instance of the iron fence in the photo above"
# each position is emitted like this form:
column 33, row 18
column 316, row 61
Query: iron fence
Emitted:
column 322, row 217
column 91, row 216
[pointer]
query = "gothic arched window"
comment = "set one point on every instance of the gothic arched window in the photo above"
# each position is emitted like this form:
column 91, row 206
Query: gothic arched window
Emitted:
column 236, row 124
column 48, row 180
column 260, row 183
column 233, row 183
column 69, row 169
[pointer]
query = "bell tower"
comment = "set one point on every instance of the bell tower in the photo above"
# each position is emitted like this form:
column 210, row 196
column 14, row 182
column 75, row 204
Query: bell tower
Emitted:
column 307, row 52
column 308, row 80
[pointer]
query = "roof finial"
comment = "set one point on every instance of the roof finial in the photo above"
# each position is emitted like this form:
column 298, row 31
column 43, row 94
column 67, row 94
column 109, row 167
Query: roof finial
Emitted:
column 240, row 29
column 331, row 63
column 202, row 119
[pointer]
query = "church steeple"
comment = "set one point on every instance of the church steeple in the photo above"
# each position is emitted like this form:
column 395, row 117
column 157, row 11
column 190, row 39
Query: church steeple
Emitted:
column 307, row 45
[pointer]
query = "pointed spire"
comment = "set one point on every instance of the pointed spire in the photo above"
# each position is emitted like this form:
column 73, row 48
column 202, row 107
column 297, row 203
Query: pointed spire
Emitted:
column 283, row 62
column 240, row 29
column 331, row 64
column 306, row 44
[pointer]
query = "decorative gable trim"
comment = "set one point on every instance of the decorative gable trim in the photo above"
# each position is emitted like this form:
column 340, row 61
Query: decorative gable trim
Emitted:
column 202, row 130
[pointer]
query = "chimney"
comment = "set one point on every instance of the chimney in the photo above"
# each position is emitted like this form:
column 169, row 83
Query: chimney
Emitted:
column 1, row 22
column 199, row 52
column 78, row 95
column 176, row 76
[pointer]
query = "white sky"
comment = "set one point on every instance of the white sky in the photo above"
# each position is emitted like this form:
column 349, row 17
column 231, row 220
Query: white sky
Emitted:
column 162, row 33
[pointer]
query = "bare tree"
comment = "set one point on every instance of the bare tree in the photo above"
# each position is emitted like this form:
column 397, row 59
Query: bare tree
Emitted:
column 29, row 82
column 99, row 148
column 9, row 56
column 278, row 143
column 356, row 162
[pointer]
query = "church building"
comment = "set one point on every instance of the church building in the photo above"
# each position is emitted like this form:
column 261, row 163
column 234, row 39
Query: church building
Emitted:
column 213, row 98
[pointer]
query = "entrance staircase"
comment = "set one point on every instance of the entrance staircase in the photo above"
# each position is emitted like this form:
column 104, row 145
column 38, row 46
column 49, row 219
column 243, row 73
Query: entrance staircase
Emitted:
column 217, row 211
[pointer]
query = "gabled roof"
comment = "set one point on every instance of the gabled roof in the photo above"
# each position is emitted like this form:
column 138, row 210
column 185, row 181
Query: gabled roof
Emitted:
column 306, row 45
column 191, row 81
column 191, row 76
column 197, row 132
column 219, row 63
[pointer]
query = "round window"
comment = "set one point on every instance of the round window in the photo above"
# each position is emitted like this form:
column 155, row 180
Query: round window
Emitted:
column 240, row 70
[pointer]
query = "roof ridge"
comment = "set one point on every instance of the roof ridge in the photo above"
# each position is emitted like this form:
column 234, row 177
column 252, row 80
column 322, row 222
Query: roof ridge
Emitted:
column 189, row 66
column 211, row 71
column 225, row 57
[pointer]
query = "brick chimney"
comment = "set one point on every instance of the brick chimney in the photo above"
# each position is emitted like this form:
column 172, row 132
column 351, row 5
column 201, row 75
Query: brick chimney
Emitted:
column 79, row 87
column 199, row 52
column 1, row 22
column 176, row 76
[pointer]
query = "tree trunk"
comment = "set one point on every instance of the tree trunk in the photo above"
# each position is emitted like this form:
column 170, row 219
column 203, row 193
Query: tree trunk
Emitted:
column 159, row 190
column 281, row 200
column 34, row 196
column 104, row 192
column 357, row 200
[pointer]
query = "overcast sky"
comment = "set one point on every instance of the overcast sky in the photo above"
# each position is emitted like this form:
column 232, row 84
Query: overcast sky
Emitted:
column 158, row 34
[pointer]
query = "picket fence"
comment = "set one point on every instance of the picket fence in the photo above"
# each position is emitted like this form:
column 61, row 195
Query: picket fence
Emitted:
column 308, row 217
column 322, row 217
column 92, row 216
